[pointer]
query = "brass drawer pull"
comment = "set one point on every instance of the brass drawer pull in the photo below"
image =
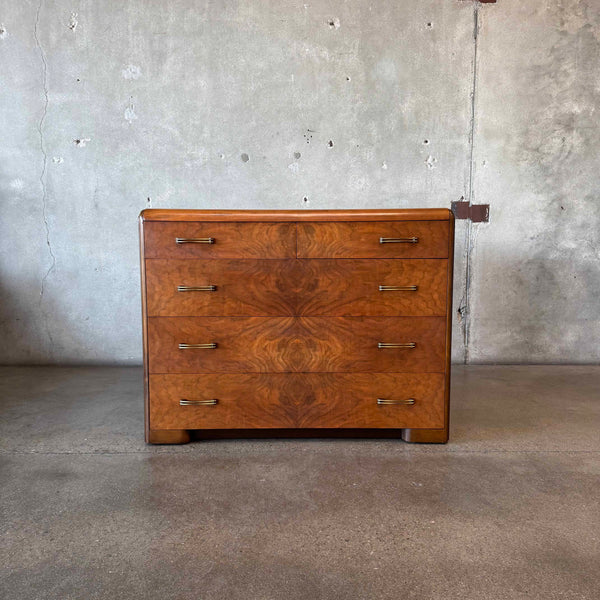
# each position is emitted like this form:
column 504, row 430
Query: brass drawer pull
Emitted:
column 410, row 240
column 406, row 345
column 194, row 240
column 198, row 402
column 407, row 402
column 398, row 288
column 196, row 346
column 196, row 288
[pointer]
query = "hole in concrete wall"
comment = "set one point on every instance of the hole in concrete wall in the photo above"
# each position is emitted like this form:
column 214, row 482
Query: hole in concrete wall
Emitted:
column 245, row 157
column 430, row 24
column 297, row 155
column 348, row 78
column 305, row 199
column 426, row 142
column 330, row 143
column 334, row 23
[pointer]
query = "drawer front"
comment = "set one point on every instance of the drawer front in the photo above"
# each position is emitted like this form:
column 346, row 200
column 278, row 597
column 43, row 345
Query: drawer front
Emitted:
column 221, row 287
column 219, row 240
column 296, row 344
column 318, row 400
column 356, row 287
column 330, row 287
column 387, row 239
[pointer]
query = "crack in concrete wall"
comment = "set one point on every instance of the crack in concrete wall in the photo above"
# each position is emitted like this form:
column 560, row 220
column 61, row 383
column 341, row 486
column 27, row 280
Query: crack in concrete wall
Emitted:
column 44, row 165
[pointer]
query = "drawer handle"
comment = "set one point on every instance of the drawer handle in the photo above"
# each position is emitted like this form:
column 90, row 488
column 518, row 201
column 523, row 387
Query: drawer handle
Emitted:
column 196, row 346
column 410, row 240
column 398, row 288
column 194, row 240
column 406, row 345
column 198, row 402
column 196, row 288
column 407, row 402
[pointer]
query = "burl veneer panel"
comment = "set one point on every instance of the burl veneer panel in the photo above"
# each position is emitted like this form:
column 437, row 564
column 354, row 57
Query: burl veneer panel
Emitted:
column 362, row 239
column 289, row 400
column 296, row 344
column 231, row 240
column 296, row 287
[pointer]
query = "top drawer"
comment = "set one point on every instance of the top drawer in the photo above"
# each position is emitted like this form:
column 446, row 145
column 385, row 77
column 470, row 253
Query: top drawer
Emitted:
column 362, row 239
column 219, row 240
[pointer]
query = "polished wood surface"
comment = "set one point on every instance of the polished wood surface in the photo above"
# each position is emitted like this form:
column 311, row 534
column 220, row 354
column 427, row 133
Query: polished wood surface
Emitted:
column 392, row 214
column 243, row 287
column 296, row 315
column 296, row 344
column 319, row 400
column 361, row 239
column 296, row 287
column 437, row 436
column 232, row 240
column 144, row 331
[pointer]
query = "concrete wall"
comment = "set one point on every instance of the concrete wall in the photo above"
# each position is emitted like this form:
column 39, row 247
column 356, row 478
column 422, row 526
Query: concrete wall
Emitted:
column 110, row 107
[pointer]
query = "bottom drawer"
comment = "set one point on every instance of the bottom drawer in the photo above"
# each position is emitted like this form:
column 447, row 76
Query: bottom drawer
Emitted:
column 291, row 400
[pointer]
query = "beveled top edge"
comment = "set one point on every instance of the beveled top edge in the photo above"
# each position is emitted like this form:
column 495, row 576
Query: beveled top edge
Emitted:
column 395, row 214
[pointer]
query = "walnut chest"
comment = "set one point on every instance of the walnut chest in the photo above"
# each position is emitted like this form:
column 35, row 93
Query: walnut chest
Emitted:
column 297, row 323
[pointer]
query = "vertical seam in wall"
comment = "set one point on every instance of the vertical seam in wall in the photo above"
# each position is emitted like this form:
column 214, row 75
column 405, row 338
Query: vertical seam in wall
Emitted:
column 471, row 194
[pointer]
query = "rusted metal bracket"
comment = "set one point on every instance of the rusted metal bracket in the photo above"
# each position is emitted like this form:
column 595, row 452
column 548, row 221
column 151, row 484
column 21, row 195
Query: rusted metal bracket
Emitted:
column 478, row 213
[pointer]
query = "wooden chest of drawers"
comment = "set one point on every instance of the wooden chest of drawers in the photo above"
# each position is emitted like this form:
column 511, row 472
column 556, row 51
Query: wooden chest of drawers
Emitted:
column 297, row 323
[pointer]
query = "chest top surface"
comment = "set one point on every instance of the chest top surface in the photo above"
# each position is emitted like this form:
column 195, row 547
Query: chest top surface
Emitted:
column 399, row 214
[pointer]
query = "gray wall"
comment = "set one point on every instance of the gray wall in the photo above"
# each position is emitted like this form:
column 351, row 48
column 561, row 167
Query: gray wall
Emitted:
column 108, row 107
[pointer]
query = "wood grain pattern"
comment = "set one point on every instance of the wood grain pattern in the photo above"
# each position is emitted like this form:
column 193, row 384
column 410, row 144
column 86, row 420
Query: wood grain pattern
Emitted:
column 361, row 240
column 322, row 400
column 144, row 331
column 296, row 287
column 393, row 214
column 336, row 288
column 296, row 344
column 244, row 287
column 437, row 436
column 303, row 357
column 232, row 240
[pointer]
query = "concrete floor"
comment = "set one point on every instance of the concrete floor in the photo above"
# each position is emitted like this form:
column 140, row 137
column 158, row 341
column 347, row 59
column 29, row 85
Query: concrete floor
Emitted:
column 508, row 509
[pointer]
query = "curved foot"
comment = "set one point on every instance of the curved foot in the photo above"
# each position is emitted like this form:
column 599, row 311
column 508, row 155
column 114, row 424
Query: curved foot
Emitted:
column 168, row 436
column 425, row 436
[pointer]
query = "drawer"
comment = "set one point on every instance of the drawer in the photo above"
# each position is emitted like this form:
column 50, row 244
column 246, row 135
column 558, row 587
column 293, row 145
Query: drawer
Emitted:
column 296, row 344
column 219, row 240
column 288, row 400
column 296, row 287
column 386, row 239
